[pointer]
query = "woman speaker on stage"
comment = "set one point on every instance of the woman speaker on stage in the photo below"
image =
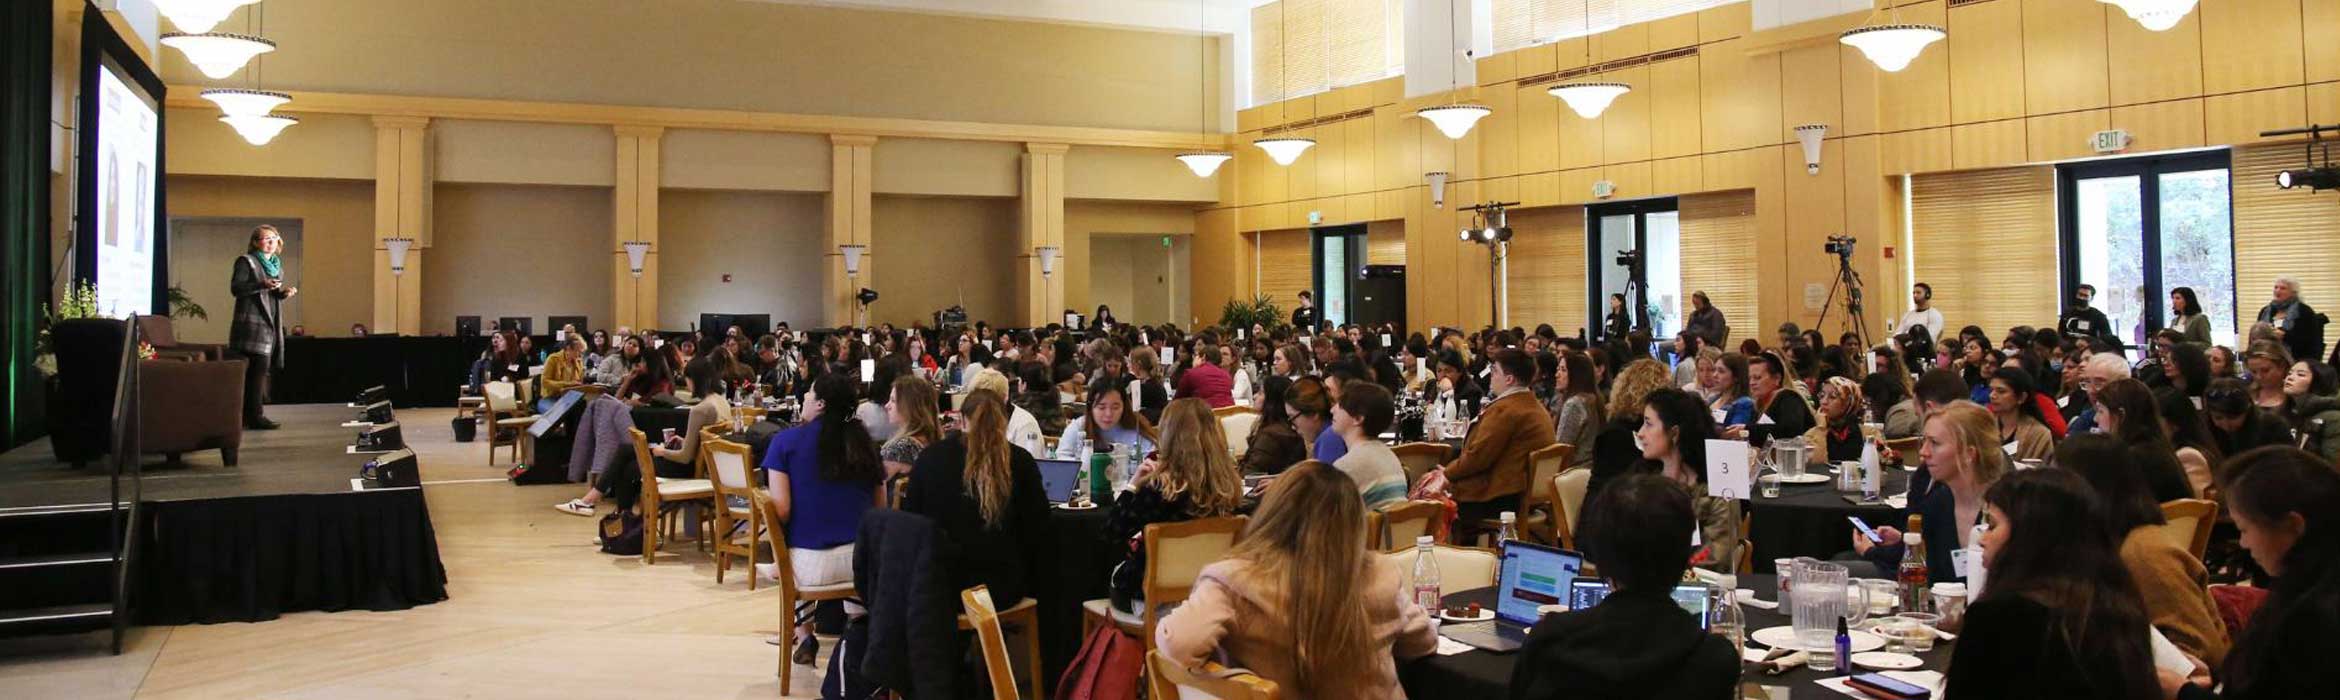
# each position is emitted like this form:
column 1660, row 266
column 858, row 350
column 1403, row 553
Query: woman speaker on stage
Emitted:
column 258, row 331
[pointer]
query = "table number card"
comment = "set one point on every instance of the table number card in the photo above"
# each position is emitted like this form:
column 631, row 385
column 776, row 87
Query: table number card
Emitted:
column 1727, row 469
column 868, row 371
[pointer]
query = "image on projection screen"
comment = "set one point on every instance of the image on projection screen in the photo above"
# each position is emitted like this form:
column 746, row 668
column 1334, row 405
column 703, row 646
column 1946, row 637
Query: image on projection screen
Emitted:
column 127, row 127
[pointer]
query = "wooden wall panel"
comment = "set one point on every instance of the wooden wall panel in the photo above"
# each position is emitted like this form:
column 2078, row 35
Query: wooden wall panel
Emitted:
column 2320, row 20
column 1720, row 227
column 2251, row 44
column 1986, row 61
column 1363, row 154
column 1284, row 263
column 1857, row 77
column 1498, row 133
column 1926, row 150
column 1397, row 149
column 1623, row 42
column 1918, row 96
column 1570, row 54
column 1580, row 138
column 1677, row 176
column 1818, row 201
column 1275, row 181
column 1576, row 185
column 2238, row 118
column 1539, row 189
column 1630, row 179
column 1538, row 126
column 1729, row 170
column 1329, row 160
column 1741, row 100
column 2324, row 103
column 1625, row 125
column 1727, row 21
column 1674, row 108
column 1301, row 174
column 1547, row 270
column 2161, row 126
column 2064, row 136
column 1987, row 145
column 2149, row 66
column 1673, row 32
column 1385, row 243
column 1499, row 68
column 1811, row 91
column 2064, row 55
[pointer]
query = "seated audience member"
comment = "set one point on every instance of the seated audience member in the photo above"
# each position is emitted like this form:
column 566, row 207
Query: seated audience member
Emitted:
column 2287, row 504
column 2172, row 583
column 1191, row 476
column 1206, row 380
column 2223, row 363
column 2190, row 434
column 1780, row 412
column 1301, row 601
column 1579, row 399
column 2126, row 410
column 2311, row 409
column 2267, row 362
column 1328, row 446
column 986, row 493
column 1673, row 435
column 1455, row 382
column 1960, row 459
column 1292, row 362
column 2236, row 423
column 2058, row 616
column 823, row 474
column 2186, row 367
column 1022, row 429
column 651, row 378
column 1727, row 377
column 1615, row 453
column 563, row 371
column 1491, row 473
column 1841, row 410
column 873, row 412
column 675, row 460
column 1291, row 413
column 916, row 426
column 1364, row 412
column 1637, row 643
column 1109, row 422
column 529, row 355
column 503, row 361
column 1150, row 395
column 2021, row 424
column 614, row 366
column 1892, row 403
column 1036, row 395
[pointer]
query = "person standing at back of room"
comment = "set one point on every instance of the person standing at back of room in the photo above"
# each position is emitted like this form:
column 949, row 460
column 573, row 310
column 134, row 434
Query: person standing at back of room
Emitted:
column 1921, row 311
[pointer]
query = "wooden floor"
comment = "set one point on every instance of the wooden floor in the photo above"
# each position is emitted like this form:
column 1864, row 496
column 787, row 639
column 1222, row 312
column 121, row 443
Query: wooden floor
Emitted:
column 533, row 611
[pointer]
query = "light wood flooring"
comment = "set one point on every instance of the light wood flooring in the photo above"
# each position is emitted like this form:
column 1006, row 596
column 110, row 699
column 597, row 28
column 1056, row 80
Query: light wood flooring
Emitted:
column 533, row 611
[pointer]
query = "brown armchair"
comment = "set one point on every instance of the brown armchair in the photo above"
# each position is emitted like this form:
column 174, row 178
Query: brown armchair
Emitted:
column 157, row 331
column 188, row 406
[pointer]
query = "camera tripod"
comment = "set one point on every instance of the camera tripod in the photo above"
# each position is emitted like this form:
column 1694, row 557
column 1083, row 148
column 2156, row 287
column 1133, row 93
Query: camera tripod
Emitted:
column 1848, row 281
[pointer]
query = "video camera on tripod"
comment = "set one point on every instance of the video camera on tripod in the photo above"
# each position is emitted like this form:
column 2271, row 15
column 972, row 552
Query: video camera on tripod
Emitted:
column 1630, row 259
column 1840, row 246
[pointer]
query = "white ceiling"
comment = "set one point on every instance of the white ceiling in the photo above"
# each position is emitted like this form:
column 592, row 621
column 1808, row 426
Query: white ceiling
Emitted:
column 1223, row 16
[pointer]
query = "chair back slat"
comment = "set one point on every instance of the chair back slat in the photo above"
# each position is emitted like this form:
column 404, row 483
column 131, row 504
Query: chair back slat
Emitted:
column 501, row 396
column 1405, row 522
column 2189, row 525
column 1569, row 489
column 1166, row 681
column 1419, row 458
column 730, row 462
column 984, row 617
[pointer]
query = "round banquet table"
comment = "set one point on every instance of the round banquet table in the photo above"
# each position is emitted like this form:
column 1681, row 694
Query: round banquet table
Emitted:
column 1080, row 568
column 1808, row 520
column 1482, row 674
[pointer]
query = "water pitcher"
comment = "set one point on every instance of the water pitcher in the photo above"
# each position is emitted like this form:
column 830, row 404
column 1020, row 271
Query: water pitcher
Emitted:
column 1824, row 592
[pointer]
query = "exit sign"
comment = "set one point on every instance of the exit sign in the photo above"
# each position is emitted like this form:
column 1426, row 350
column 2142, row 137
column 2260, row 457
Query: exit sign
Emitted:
column 2110, row 141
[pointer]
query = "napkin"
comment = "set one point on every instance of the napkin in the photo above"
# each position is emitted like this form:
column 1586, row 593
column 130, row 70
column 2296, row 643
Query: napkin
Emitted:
column 1922, row 678
column 1747, row 598
column 1449, row 647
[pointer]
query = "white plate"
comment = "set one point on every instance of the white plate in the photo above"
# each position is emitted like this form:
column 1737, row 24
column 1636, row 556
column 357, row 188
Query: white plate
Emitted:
column 1784, row 637
column 1885, row 661
column 1068, row 506
column 1806, row 478
column 1485, row 614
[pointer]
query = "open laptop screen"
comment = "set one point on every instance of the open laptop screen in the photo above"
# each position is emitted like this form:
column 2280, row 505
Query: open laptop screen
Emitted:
column 1531, row 576
column 1059, row 477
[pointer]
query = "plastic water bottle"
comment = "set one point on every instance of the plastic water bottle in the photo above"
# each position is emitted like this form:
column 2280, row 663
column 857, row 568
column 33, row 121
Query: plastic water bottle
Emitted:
column 1725, row 618
column 1426, row 576
column 1510, row 528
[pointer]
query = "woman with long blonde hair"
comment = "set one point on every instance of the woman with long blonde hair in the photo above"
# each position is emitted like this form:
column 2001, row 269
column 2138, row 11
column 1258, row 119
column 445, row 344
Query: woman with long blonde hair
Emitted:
column 912, row 411
column 1190, row 476
column 1961, row 453
column 1318, row 613
column 986, row 492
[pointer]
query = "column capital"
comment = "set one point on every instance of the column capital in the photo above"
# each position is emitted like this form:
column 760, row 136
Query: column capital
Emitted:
column 852, row 140
column 1047, row 148
column 638, row 130
column 400, row 121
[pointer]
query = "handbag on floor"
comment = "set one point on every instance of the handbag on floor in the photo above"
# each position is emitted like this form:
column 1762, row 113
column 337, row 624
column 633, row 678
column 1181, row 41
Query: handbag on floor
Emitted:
column 843, row 680
column 621, row 533
column 1107, row 668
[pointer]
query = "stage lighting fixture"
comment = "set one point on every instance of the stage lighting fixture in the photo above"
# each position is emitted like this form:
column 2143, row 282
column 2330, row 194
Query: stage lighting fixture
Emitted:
column 2324, row 178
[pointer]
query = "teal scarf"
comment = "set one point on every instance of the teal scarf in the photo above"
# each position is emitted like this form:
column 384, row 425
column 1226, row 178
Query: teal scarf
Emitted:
column 271, row 265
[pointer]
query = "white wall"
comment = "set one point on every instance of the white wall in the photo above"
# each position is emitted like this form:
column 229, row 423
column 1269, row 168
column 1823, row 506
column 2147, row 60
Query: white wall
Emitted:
column 518, row 250
column 768, row 243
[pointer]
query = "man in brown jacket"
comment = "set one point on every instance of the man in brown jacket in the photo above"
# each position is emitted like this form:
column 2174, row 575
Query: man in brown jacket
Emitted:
column 1492, row 471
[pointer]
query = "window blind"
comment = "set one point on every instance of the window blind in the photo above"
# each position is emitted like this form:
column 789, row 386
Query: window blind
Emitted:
column 1518, row 23
column 1286, row 259
column 1303, row 47
column 1547, row 268
column 1985, row 240
column 1718, row 254
column 2281, row 233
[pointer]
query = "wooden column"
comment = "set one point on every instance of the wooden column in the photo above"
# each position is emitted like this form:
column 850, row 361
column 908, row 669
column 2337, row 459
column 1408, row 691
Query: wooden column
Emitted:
column 848, row 210
column 636, row 296
column 1041, row 224
column 402, row 209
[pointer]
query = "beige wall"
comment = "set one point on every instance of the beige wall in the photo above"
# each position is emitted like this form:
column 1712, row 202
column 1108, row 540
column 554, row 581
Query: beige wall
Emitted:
column 337, row 219
column 517, row 153
column 1084, row 219
column 946, row 168
column 769, row 243
column 336, row 146
column 517, row 250
column 1138, row 276
column 730, row 54
column 928, row 253
column 739, row 160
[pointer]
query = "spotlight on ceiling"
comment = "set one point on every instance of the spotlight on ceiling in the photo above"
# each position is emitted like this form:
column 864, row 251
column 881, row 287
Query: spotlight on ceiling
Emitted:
column 2310, row 175
column 2324, row 178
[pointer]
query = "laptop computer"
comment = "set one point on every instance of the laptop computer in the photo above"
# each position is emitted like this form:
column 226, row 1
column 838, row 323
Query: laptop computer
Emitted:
column 1586, row 592
column 1530, row 576
column 1059, row 477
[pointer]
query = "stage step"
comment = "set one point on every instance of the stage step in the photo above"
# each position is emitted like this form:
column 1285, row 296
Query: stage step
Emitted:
column 98, row 612
column 44, row 561
column 57, row 565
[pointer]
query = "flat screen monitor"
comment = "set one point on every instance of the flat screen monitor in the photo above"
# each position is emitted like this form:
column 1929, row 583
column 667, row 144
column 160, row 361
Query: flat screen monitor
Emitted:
column 467, row 326
column 524, row 325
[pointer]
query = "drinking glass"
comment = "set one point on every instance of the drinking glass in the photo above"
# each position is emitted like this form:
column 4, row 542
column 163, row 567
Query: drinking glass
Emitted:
column 1769, row 484
column 1883, row 594
column 1900, row 634
column 1922, row 639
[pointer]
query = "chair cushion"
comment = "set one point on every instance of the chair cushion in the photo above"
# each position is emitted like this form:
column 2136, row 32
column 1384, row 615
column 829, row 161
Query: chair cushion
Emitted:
column 831, row 588
column 516, row 422
column 1104, row 608
column 684, row 488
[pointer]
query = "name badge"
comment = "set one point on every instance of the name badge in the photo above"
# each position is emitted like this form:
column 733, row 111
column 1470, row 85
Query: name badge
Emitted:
column 1958, row 561
column 2009, row 447
column 1766, row 420
column 2081, row 324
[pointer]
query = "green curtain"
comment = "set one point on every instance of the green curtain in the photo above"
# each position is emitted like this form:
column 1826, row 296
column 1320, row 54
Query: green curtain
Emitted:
column 25, row 43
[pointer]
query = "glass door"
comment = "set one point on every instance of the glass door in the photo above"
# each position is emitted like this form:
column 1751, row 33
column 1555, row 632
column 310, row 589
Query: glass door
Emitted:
column 1634, row 249
column 2139, row 229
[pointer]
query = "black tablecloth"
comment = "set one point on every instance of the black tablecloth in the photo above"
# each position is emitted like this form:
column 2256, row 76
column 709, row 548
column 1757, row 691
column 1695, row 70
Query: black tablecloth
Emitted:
column 1808, row 520
column 252, row 558
column 419, row 371
column 1082, row 563
column 1479, row 674
column 653, row 419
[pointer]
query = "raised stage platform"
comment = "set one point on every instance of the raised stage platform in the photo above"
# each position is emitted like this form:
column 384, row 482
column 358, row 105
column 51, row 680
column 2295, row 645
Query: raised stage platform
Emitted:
column 284, row 531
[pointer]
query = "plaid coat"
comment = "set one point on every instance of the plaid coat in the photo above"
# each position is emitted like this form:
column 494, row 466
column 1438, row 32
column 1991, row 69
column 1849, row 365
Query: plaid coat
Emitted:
column 258, row 327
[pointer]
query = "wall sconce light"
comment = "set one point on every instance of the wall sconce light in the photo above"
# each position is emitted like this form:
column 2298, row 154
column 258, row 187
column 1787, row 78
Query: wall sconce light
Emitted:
column 398, row 247
column 853, row 253
column 1048, row 255
column 636, row 252
column 1810, row 136
column 1437, row 188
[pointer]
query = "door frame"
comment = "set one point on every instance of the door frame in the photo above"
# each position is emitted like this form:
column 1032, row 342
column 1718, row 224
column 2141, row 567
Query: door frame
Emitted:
column 2147, row 170
column 1597, row 259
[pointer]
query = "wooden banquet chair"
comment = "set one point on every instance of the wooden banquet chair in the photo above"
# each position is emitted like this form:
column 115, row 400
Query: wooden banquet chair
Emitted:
column 738, row 528
column 1165, row 680
column 791, row 594
column 1234, row 410
column 1401, row 524
column 1535, row 506
column 658, row 521
column 1419, row 458
column 2189, row 523
column 1568, row 490
column 1238, row 426
column 1459, row 568
column 1175, row 554
column 506, row 409
column 983, row 618
column 1906, row 447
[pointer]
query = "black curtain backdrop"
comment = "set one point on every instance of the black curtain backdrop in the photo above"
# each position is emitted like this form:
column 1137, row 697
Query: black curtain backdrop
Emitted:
column 25, row 81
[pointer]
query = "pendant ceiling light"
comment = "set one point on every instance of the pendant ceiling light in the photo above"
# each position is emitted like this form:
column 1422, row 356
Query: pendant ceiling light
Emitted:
column 258, row 129
column 239, row 102
column 1894, row 44
column 1589, row 98
column 1284, row 149
column 218, row 54
column 1454, row 119
column 198, row 16
column 2155, row 15
column 1203, row 161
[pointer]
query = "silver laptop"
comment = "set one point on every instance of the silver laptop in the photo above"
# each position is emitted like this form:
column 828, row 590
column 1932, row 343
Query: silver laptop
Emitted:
column 1531, row 576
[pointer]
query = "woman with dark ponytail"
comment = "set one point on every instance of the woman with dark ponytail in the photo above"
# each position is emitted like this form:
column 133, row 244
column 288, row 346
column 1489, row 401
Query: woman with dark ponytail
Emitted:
column 823, row 475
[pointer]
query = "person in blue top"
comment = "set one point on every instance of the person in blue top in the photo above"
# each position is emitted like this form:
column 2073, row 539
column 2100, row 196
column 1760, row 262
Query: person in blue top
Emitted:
column 1328, row 446
column 1109, row 420
column 823, row 475
column 1732, row 404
